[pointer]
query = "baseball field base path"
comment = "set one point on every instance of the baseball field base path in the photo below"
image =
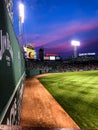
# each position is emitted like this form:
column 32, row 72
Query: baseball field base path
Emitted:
column 40, row 109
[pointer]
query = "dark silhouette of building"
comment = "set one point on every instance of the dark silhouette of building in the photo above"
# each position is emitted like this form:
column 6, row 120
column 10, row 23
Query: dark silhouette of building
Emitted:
column 41, row 54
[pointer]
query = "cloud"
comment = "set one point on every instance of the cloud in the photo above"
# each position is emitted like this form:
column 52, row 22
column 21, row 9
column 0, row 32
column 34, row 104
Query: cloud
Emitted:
column 60, row 37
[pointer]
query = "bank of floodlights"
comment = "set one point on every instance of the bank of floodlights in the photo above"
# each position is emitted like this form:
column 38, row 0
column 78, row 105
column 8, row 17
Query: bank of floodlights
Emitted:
column 75, row 44
column 21, row 13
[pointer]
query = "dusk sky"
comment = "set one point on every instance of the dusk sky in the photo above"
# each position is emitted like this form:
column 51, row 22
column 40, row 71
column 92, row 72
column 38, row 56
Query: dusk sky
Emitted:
column 52, row 24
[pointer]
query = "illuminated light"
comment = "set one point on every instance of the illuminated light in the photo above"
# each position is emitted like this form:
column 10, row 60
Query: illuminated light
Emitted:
column 87, row 54
column 51, row 54
column 52, row 57
column 21, row 12
column 46, row 58
column 75, row 43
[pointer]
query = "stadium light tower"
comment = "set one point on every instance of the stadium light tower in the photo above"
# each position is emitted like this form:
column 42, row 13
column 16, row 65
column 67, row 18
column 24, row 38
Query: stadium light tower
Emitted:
column 21, row 22
column 75, row 44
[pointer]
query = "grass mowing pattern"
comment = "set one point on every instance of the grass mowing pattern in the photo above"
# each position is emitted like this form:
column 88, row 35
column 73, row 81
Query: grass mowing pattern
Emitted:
column 77, row 93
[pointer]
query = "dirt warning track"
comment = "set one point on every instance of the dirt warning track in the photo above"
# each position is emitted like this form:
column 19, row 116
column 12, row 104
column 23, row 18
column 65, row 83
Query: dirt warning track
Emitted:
column 40, row 109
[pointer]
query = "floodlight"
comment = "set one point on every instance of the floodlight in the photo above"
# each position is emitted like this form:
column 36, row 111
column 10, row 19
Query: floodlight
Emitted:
column 21, row 12
column 75, row 44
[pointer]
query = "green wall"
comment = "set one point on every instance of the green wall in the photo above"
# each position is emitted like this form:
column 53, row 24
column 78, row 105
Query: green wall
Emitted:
column 11, row 58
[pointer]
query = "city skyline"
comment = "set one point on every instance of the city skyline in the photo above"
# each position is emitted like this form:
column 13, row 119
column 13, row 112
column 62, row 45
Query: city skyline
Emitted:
column 53, row 24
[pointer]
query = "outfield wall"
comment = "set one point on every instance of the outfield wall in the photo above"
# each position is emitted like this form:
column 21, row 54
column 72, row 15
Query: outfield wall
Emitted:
column 12, row 70
column 34, row 72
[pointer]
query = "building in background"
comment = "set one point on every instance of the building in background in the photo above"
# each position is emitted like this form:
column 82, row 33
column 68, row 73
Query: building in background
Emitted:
column 52, row 57
column 41, row 54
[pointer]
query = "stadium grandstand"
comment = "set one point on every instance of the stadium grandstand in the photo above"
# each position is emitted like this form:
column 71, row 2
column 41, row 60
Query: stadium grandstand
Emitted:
column 81, row 63
column 15, row 68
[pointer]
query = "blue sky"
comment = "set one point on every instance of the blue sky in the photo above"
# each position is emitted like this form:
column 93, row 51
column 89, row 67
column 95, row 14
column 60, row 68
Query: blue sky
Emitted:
column 52, row 24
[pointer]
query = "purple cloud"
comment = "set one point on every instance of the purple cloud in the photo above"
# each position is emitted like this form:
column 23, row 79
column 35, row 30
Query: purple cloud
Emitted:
column 58, row 38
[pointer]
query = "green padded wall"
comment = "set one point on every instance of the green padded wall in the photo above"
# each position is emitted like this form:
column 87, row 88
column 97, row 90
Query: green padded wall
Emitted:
column 11, row 58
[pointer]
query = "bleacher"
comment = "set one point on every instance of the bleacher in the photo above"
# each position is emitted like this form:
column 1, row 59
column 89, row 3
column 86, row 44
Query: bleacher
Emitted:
column 72, row 64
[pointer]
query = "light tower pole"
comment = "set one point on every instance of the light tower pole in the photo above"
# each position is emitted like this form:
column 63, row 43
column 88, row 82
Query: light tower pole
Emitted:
column 9, row 4
column 75, row 44
column 21, row 22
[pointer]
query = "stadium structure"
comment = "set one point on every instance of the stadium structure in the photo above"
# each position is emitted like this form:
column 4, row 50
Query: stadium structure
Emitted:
column 29, row 51
column 15, row 65
column 12, row 69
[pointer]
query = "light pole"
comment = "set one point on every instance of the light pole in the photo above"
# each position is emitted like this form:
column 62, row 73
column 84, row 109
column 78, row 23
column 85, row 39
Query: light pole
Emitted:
column 21, row 22
column 9, row 4
column 75, row 44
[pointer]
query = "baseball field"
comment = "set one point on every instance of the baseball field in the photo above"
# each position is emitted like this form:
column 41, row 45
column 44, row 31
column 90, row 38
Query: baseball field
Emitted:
column 77, row 93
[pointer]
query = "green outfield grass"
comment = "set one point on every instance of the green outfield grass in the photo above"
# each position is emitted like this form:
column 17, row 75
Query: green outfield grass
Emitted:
column 77, row 93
